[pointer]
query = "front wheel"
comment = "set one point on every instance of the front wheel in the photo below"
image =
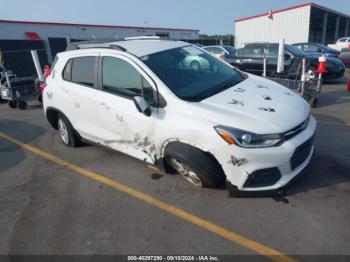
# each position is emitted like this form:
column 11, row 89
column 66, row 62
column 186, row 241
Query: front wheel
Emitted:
column 196, row 166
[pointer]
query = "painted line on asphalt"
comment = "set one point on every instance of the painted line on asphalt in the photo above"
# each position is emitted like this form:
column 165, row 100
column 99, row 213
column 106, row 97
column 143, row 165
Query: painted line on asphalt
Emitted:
column 209, row 226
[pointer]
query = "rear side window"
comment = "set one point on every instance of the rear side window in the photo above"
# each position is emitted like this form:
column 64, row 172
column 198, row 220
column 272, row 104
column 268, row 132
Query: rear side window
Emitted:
column 80, row 70
column 251, row 51
column 311, row 48
column 67, row 72
column 271, row 51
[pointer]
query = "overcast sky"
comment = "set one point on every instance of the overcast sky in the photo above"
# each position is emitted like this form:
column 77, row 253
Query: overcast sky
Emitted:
column 209, row 16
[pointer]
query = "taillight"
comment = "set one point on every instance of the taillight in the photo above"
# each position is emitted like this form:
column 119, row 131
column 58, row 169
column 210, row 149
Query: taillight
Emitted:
column 42, row 87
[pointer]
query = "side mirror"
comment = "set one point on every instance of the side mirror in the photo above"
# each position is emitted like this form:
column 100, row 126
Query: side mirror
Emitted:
column 142, row 105
column 286, row 56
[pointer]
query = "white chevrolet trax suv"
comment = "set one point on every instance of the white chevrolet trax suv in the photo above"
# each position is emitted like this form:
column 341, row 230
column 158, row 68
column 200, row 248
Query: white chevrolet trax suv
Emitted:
column 172, row 104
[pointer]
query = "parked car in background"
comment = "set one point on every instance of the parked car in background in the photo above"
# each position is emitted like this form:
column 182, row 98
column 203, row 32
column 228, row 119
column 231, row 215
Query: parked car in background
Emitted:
column 214, row 127
column 316, row 49
column 345, row 56
column 249, row 58
column 341, row 43
column 224, row 52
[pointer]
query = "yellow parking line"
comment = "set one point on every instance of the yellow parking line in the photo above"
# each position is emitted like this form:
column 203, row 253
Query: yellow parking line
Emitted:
column 216, row 229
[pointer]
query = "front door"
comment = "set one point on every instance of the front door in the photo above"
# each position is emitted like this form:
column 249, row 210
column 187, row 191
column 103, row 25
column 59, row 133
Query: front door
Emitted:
column 122, row 127
column 251, row 59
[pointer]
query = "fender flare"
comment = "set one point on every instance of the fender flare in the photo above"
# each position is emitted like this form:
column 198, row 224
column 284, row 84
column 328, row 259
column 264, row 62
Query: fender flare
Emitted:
column 174, row 140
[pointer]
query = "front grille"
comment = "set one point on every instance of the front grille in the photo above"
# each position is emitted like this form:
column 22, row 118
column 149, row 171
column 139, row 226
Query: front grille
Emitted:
column 263, row 177
column 301, row 153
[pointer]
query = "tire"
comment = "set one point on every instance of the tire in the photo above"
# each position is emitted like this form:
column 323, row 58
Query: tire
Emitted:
column 22, row 105
column 12, row 104
column 68, row 135
column 194, row 160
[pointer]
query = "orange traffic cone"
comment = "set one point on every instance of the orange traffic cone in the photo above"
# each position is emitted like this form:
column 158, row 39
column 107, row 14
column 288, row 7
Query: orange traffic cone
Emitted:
column 321, row 68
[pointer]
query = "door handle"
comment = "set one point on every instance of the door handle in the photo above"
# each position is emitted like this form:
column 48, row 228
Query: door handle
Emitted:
column 104, row 105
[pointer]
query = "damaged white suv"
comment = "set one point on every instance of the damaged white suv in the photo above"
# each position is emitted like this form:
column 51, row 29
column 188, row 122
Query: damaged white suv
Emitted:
column 174, row 105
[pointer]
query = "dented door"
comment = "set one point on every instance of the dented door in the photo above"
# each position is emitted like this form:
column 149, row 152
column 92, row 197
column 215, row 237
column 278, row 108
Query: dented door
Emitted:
column 122, row 127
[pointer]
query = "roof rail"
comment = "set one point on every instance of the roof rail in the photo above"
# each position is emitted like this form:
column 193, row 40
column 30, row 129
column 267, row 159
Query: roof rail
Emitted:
column 94, row 44
column 145, row 37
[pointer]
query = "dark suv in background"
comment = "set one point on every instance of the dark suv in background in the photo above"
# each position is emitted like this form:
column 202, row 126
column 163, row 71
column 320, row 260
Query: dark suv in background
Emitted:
column 249, row 58
column 315, row 49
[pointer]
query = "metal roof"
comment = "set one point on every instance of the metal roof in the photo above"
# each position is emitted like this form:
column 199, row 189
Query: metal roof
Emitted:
column 292, row 8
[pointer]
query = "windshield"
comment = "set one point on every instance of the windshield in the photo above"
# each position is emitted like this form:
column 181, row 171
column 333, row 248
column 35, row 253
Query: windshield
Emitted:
column 295, row 51
column 192, row 74
column 326, row 48
column 230, row 49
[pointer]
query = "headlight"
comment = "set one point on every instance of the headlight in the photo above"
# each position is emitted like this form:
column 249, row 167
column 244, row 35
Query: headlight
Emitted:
column 248, row 139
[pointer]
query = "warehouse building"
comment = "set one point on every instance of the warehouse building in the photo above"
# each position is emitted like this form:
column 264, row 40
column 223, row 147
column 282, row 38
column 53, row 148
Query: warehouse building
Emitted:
column 303, row 23
column 44, row 30
column 18, row 38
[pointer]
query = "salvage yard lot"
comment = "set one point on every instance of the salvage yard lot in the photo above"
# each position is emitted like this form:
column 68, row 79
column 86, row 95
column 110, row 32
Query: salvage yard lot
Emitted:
column 53, row 207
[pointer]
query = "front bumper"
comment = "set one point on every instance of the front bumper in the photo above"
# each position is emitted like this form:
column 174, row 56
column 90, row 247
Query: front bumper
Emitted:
column 240, row 163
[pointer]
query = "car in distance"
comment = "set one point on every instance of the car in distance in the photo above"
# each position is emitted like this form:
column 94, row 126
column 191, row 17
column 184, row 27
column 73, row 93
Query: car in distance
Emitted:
column 213, row 126
column 224, row 52
column 249, row 58
column 317, row 50
column 341, row 43
column 345, row 56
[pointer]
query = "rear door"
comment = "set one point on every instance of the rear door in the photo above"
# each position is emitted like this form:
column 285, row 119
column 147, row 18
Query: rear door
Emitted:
column 120, row 125
column 79, row 88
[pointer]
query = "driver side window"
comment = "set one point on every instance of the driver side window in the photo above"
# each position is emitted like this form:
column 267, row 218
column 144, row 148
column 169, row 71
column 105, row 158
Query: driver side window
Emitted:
column 121, row 78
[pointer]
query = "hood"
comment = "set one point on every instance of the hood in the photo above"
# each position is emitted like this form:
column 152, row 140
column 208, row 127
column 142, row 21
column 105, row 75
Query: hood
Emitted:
column 330, row 59
column 257, row 105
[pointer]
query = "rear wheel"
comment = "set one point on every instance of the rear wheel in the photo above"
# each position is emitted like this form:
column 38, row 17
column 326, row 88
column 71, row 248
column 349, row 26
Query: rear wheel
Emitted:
column 196, row 166
column 22, row 105
column 12, row 104
column 67, row 133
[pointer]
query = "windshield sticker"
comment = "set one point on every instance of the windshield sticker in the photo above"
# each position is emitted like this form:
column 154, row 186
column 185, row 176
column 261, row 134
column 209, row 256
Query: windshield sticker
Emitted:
column 267, row 97
column 236, row 102
column 240, row 90
column 266, row 109
column 260, row 86
column 192, row 50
